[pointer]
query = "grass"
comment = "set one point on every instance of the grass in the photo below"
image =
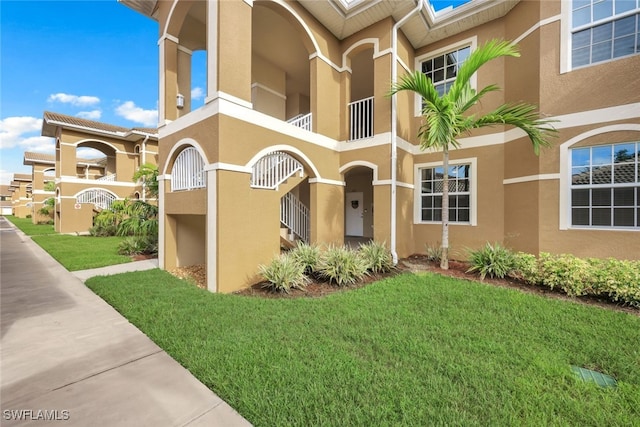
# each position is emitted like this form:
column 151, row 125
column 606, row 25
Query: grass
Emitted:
column 409, row 350
column 29, row 228
column 82, row 252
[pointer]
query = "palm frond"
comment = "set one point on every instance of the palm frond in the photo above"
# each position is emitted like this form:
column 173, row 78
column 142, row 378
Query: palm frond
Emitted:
column 523, row 116
column 419, row 83
column 491, row 50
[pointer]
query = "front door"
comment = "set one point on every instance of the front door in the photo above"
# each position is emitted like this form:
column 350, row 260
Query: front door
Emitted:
column 353, row 215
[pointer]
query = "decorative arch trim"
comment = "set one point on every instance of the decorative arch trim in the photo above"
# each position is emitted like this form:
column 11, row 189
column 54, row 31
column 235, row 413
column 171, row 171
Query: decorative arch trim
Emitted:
column 357, row 163
column 183, row 143
column 287, row 149
column 95, row 189
column 108, row 144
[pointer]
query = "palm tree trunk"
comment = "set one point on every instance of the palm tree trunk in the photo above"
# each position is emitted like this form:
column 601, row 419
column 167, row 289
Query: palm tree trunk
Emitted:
column 444, row 258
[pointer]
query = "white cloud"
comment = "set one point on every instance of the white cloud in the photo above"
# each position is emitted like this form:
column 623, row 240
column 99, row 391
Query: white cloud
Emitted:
column 197, row 93
column 130, row 111
column 78, row 101
column 17, row 131
column 5, row 177
column 90, row 115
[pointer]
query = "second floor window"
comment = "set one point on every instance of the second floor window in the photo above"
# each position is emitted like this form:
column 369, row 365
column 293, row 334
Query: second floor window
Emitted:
column 603, row 30
column 443, row 69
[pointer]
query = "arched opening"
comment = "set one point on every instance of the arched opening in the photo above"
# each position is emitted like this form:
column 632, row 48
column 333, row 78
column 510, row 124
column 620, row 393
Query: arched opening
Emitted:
column 49, row 177
column 358, row 205
column 280, row 66
column 96, row 160
column 361, row 95
column 188, row 172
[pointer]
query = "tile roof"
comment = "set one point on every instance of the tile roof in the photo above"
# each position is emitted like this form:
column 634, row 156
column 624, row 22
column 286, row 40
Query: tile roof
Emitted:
column 4, row 190
column 39, row 157
column 22, row 177
column 75, row 121
column 51, row 120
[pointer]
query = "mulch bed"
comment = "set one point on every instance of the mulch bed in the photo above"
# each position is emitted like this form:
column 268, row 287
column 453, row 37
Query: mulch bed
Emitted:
column 415, row 263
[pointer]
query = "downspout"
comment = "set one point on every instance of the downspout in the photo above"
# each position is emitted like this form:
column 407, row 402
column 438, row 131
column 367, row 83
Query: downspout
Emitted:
column 394, row 127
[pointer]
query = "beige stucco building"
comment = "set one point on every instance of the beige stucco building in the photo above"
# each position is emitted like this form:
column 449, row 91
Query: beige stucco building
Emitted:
column 297, row 137
column 43, row 173
column 20, row 189
column 85, row 185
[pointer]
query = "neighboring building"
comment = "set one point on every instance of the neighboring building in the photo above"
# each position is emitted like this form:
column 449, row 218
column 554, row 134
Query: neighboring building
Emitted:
column 20, row 188
column 5, row 200
column 297, row 131
column 43, row 174
column 83, row 187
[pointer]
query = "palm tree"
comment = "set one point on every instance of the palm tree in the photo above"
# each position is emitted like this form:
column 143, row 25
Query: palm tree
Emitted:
column 444, row 118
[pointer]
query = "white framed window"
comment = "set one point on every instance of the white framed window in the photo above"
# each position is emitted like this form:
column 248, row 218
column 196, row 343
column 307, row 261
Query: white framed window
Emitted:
column 442, row 65
column 462, row 192
column 603, row 30
column 605, row 186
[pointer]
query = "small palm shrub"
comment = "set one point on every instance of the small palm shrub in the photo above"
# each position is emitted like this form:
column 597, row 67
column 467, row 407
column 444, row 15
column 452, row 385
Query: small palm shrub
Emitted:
column 434, row 252
column 492, row 260
column 137, row 245
column 306, row 255
column 283, row 274
column 377, row 257
column 342, row 266
column 103, row 230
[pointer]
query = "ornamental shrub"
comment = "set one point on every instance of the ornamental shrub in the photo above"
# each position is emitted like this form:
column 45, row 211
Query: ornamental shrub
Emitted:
column 617, row 280
column 306, row 255
column 492, row 260
column 377, row 257
column 283, row 274
column 342, row 266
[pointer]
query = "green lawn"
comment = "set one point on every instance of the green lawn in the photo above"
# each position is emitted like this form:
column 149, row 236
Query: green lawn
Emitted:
column 29, row 228
column 82, row 252
column 412, row 350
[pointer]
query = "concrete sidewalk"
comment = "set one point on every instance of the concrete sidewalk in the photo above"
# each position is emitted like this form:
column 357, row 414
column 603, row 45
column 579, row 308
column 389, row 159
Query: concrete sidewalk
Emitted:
column 68, row 356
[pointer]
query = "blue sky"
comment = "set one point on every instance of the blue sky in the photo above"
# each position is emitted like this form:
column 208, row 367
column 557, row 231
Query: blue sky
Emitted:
column 92, row 59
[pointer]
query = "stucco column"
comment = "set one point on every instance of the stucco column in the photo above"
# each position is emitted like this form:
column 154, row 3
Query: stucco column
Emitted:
column 327, row 213
column 325, row 102
column 381, row 86
column 184, row 78
column 211, row 245
column 168, row 63
column 233, row 48
column 161, row 222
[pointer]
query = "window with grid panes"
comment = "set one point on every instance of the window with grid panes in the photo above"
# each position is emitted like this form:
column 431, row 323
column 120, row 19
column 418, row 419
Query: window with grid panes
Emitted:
column 431, row 186
column 603, row 30
column 443, row 69
column 605, row 186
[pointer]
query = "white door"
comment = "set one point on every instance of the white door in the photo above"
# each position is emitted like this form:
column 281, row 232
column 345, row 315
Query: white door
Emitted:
column 353, row 214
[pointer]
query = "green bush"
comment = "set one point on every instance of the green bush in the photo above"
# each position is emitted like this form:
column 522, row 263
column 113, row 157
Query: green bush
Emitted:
column 138, row 245
column 377, row 257
column 103, row 230
column 525, row 268
column 434, row 252
column 492, row 260
column 615, row 279
column 342, row 266
column 306, row 255
column 283, row 274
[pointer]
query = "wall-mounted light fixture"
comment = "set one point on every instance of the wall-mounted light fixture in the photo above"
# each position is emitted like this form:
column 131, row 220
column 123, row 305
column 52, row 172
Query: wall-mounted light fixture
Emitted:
column 180, row 101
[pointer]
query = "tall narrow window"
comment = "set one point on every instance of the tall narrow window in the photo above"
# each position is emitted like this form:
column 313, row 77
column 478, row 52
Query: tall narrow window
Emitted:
column 602, row 30
column 605, row 186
